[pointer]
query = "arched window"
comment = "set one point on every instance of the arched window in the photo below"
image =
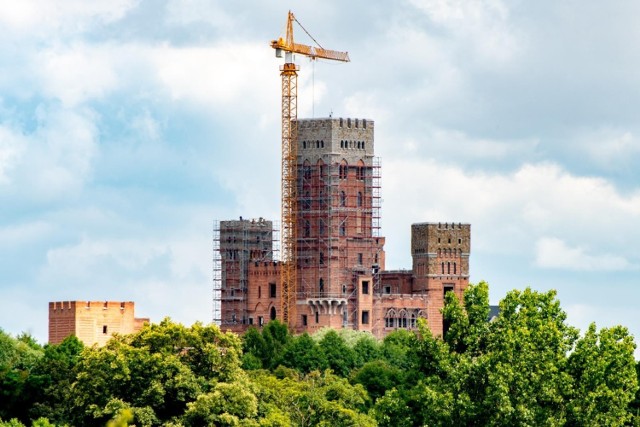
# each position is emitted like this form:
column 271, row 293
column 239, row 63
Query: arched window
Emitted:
column 321, row 260
column 321, row 286
column 455, row 268
column 307, row 228
column 359, row 199
column 320, row 168
column 343, row 198
column 443, row 268
column 272, row 315
column 306, row 170
column 343, row 228
column 304, row 144
column 321, row 227
column 360, row 170
column 343, row 170
column 448, row 268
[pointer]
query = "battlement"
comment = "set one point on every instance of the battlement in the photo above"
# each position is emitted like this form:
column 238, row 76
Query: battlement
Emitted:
column 93, row 322
column 431, row 237
column 348, row 138
column 61, row 306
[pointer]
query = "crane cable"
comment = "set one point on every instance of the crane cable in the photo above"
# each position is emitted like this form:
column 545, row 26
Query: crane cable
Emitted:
column 305, row 30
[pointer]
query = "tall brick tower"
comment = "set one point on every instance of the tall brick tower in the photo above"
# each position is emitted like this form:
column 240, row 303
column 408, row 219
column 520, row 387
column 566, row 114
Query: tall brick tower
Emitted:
column 339, row 250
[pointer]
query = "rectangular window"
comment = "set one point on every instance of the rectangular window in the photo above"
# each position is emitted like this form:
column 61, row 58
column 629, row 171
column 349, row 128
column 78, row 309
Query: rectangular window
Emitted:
column 359, row 259
column 272, row 290
column 260, row 321
column 387, row 289
column 251, row 320
column 104, row 329
column 304, row 320
column 365, row 317
column 317, row 317
column 365, row 287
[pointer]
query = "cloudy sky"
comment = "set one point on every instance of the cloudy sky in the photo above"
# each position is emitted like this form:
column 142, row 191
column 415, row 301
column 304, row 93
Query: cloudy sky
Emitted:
column 127, row 127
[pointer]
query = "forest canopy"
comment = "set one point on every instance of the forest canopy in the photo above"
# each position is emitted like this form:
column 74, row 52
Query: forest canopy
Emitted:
column 526, row 366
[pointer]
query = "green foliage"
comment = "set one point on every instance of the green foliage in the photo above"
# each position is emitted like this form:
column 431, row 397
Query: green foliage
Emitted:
column 227, row 405
column 302, row 353
column 365, row 349
column 51, row 378
column 18, row 356
column 349, row 336
column 340, row 358
column 266, row 346
column 606, row 382
column 527, row 367
column 319, row 399
column 377, row 377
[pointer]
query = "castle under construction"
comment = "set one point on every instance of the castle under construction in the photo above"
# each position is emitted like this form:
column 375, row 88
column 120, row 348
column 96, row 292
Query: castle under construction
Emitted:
column 341, row 280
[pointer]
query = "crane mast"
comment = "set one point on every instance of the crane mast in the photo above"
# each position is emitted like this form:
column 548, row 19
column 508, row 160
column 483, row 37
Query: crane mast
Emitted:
column 289, row 238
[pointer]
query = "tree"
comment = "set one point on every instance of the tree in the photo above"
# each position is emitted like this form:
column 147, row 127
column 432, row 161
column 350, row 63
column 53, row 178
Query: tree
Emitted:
column 377, row 377
column 603, row 368
column 318, row 399
column 339, row 357
column 226, row 405
column 366, row 349
column 18, row 356
column 51, row 378
column 303, row 354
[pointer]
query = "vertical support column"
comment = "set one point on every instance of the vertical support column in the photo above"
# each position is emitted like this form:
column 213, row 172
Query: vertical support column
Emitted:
column 289, row 76
column 217, row 275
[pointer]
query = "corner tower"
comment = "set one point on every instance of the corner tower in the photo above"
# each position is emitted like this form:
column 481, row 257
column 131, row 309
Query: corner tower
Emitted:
column 440, row 253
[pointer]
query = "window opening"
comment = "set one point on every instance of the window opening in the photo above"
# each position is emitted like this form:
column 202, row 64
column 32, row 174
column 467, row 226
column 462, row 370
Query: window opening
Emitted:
column 365, row 287
column 365, row 317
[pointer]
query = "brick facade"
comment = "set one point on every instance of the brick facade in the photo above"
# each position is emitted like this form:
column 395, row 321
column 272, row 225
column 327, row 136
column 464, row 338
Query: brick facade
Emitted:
column 93, row 322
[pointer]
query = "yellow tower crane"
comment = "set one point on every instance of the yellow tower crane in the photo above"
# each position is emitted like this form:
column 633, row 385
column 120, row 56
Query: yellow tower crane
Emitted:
column 289, row 74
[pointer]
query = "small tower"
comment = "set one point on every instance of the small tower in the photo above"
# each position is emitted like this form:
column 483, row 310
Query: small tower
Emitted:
column 440, row 253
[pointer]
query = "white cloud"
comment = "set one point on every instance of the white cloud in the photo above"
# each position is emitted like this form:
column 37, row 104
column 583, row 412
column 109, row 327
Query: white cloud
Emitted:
column 78, row 73
column 611, row 149
column 511, row 211
column 222, row 75
column 481, row 24
column 446, row 143
column 552, row 252
column 188, row 12
column 42, row 17
column 54, row 160
column 11, row 147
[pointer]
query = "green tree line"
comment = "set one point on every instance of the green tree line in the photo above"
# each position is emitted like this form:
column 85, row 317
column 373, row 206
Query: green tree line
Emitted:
column 526, row 367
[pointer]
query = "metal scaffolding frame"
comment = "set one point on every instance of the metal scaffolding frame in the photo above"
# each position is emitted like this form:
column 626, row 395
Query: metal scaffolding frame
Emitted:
column 237, row 243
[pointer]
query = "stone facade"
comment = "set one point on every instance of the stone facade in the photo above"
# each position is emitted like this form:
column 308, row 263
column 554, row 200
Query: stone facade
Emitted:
column 342, row 282
column 93, row 322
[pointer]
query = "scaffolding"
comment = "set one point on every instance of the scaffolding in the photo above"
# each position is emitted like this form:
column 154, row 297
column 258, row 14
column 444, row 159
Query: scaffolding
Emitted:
column 237, row 243
column 338, row 236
